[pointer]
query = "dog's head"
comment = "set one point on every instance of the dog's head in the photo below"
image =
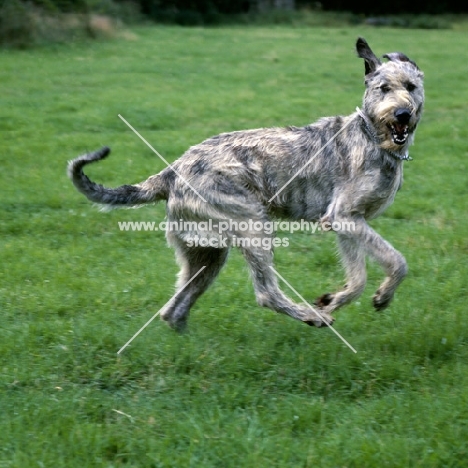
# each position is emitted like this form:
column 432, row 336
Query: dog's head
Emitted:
column 394, row 96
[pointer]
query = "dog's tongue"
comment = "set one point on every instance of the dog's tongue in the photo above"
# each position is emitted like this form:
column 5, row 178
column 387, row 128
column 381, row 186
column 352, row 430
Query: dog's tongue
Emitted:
column 401, row 132
column 400, row 128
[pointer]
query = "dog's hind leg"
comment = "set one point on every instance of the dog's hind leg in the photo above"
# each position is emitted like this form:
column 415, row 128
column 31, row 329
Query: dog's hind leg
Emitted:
column 191, row 260
column 268, row 293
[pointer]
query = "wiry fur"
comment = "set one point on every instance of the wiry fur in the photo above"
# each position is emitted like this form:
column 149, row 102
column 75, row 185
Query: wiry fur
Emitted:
column 353, row 178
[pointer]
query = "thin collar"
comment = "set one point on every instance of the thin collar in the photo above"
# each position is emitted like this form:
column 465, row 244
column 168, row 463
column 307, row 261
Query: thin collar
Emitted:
column 376, row 140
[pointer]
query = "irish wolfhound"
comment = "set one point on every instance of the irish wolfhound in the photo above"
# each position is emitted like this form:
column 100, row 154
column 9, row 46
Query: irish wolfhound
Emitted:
column 341, row 169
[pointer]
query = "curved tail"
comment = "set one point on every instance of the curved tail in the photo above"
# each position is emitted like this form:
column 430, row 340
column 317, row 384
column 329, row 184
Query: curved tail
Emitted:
column 149, row 191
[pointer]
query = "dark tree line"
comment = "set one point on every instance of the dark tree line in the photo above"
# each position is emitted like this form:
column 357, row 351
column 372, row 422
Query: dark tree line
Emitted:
column 369, row 7
column 394, row 7
column 153, row 8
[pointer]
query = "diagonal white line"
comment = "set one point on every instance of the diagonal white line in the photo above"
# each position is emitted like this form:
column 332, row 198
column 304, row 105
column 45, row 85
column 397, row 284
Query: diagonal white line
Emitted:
column 157, row 154
column 309, row 162
column 159, row 311
column 315, row 311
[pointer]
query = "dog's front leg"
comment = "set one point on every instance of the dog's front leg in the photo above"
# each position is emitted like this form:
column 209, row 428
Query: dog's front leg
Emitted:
column 392, row 262
column 395, row 267
column 354, row 262
column 356, row 241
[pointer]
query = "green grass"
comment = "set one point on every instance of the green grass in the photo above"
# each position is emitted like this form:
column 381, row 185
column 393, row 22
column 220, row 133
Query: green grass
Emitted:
column 246, row 387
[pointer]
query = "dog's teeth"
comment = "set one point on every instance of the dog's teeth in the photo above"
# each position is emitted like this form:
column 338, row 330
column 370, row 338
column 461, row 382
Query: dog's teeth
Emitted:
column 399, row 133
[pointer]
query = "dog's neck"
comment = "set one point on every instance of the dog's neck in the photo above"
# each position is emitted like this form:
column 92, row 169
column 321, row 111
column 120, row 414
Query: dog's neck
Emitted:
column 373, row 134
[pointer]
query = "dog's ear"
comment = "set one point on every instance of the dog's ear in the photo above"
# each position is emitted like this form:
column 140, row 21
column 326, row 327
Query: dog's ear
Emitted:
column 371, row 62
column 399, row 57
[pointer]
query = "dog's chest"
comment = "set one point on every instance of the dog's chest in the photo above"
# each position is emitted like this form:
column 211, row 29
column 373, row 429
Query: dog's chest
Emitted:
column 380, row 187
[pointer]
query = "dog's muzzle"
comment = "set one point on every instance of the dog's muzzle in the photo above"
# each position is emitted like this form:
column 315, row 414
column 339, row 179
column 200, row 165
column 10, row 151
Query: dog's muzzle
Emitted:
column 400, row 128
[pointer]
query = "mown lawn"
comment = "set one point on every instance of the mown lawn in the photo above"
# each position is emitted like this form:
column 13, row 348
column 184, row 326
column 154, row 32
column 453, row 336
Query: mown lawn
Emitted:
column 246, row 387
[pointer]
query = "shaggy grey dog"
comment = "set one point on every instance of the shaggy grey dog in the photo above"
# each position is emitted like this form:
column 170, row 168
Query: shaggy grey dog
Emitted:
column 338, row 170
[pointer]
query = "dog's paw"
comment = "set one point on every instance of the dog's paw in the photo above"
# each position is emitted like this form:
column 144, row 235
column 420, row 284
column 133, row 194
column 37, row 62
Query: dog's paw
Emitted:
column 178, row 325
column 320, row 320
column 381, row 301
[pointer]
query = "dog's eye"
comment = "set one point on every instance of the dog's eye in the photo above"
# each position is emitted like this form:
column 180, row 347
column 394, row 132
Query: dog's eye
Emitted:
column 384, row 88
column 410, row 87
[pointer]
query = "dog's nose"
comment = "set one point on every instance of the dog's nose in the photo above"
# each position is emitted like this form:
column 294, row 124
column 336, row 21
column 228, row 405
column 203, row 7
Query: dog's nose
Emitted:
column 403, row 116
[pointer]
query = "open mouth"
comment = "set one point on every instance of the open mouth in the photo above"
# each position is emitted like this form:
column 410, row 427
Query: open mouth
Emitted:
column 399, row 133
